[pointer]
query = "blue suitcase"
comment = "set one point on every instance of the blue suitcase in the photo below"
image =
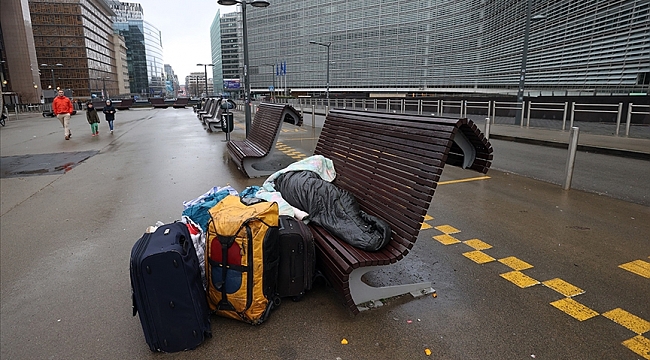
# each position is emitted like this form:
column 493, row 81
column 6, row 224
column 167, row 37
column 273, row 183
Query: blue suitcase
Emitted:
column 168, row 291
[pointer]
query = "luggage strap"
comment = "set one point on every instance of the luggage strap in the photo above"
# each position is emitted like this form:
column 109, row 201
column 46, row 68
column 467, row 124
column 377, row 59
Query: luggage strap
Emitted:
column 226, row 242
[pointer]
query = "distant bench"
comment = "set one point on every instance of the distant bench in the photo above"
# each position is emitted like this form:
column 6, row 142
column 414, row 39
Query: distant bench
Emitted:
column 180, row 103
column 262, row 137
column 391, row 163
column 125, row 104
column 158, row 103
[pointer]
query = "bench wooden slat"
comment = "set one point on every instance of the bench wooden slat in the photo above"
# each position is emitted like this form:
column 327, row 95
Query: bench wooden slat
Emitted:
column 391, row 163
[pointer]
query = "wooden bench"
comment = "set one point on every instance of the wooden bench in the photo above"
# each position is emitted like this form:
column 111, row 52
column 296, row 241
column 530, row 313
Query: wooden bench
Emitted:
column 180, row 103
column 215, row 123
column 262, row 136
column 125, row 104
column 391, row 163
column 158, row 103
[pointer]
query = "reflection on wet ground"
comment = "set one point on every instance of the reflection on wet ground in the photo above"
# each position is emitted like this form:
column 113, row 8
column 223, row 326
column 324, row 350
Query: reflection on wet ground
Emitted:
column 42, row 164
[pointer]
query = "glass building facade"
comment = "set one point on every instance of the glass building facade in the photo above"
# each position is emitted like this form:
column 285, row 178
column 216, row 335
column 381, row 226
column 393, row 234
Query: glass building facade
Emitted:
column 78, row 35
column 215, row 50
column 232, row 58
column 144, row 49
column 453, row 45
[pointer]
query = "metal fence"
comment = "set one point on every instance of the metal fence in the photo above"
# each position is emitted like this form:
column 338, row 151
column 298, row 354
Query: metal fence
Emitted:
column 630, row 122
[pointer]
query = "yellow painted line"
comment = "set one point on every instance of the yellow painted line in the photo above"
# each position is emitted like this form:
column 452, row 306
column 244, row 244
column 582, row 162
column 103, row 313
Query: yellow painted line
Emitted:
column 574, row 309
column 520, row 279
column 428, row 217
column 515, row 264
column 463, row 180
column 563, row 287
column 629, row 321
column 479, row 257
column 446, row 239
column 639, row 267
column 297, row 157
column 639, row 345
column 425, row 226
column 447, row 229
column 477, row 244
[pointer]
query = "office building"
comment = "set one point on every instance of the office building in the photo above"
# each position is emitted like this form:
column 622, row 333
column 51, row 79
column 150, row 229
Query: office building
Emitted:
column 195, row 85
column 18, row 61
column 121, row 64
column 232, row 59
column 215, row 50
column 144, row 49
column 171, row 81
column 74, row 45
column 466, row 46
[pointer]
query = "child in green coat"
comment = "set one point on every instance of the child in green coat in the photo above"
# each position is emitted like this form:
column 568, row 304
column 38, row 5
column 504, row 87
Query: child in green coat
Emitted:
column 93, row 118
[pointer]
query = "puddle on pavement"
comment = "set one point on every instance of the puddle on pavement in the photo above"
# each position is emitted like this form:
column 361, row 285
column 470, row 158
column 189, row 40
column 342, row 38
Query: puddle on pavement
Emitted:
column 42, row 164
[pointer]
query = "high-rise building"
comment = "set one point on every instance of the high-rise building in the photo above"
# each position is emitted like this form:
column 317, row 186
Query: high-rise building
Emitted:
column 171, row 81
column 144, row 49
column 215, row 49
column 74, row 45
column 19, row 77
column 460, row 46
column 121, row 64
column 232, row 59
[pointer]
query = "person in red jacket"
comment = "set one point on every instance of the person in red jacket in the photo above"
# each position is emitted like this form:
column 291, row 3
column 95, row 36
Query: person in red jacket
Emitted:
column 62, row 108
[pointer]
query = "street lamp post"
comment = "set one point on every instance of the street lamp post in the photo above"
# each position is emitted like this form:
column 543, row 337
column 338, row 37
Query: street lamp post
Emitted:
column 524, row 56
column 52, row 71
column 247, row 85
column 104, row 94
column 205, row 70
column 327, row 92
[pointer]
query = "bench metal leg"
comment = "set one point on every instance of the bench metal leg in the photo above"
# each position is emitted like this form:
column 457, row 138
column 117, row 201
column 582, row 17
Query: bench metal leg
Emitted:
column 362, row 292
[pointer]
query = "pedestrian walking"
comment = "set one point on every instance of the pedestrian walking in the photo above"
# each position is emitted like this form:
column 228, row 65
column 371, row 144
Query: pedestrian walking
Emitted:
column 93, row 118
column 109, row 111
column 62, row 108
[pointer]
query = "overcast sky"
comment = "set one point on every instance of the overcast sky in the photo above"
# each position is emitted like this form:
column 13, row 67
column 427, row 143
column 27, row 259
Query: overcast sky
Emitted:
column 185, row 27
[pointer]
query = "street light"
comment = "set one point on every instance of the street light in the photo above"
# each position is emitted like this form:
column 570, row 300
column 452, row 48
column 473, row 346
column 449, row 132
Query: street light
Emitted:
column 273, row 73
column 205, row 70
column 52, row 70
column 327, row 92
column 247, row 85
column 524, row 56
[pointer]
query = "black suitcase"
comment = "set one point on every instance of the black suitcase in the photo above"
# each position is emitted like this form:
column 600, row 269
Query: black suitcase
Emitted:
column 297, row 258
column 168, row 291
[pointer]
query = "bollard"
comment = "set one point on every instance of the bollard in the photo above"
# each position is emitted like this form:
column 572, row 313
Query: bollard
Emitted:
column 313, row 116
column 487, row 128
column 571, row 159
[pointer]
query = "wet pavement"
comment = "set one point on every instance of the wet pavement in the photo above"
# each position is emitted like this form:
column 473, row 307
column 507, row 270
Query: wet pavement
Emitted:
column 522, row 268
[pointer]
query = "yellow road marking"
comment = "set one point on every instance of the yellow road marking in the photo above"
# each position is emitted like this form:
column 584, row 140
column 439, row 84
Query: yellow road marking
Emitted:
column 463, row 180
column 477, row 244
column 425, row 226
column 520, row 279
column 515, row 264
column 639, row 267
column 447, row 229
column 479, row 257
column 629, row 321
column 428, row 217
column 563, row 287
column 640, row 345
column 446, row 239
column 574, row 309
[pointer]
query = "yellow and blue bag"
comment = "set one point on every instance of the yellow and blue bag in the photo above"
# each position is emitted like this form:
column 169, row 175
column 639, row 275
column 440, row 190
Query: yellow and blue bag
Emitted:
column 242, row 256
